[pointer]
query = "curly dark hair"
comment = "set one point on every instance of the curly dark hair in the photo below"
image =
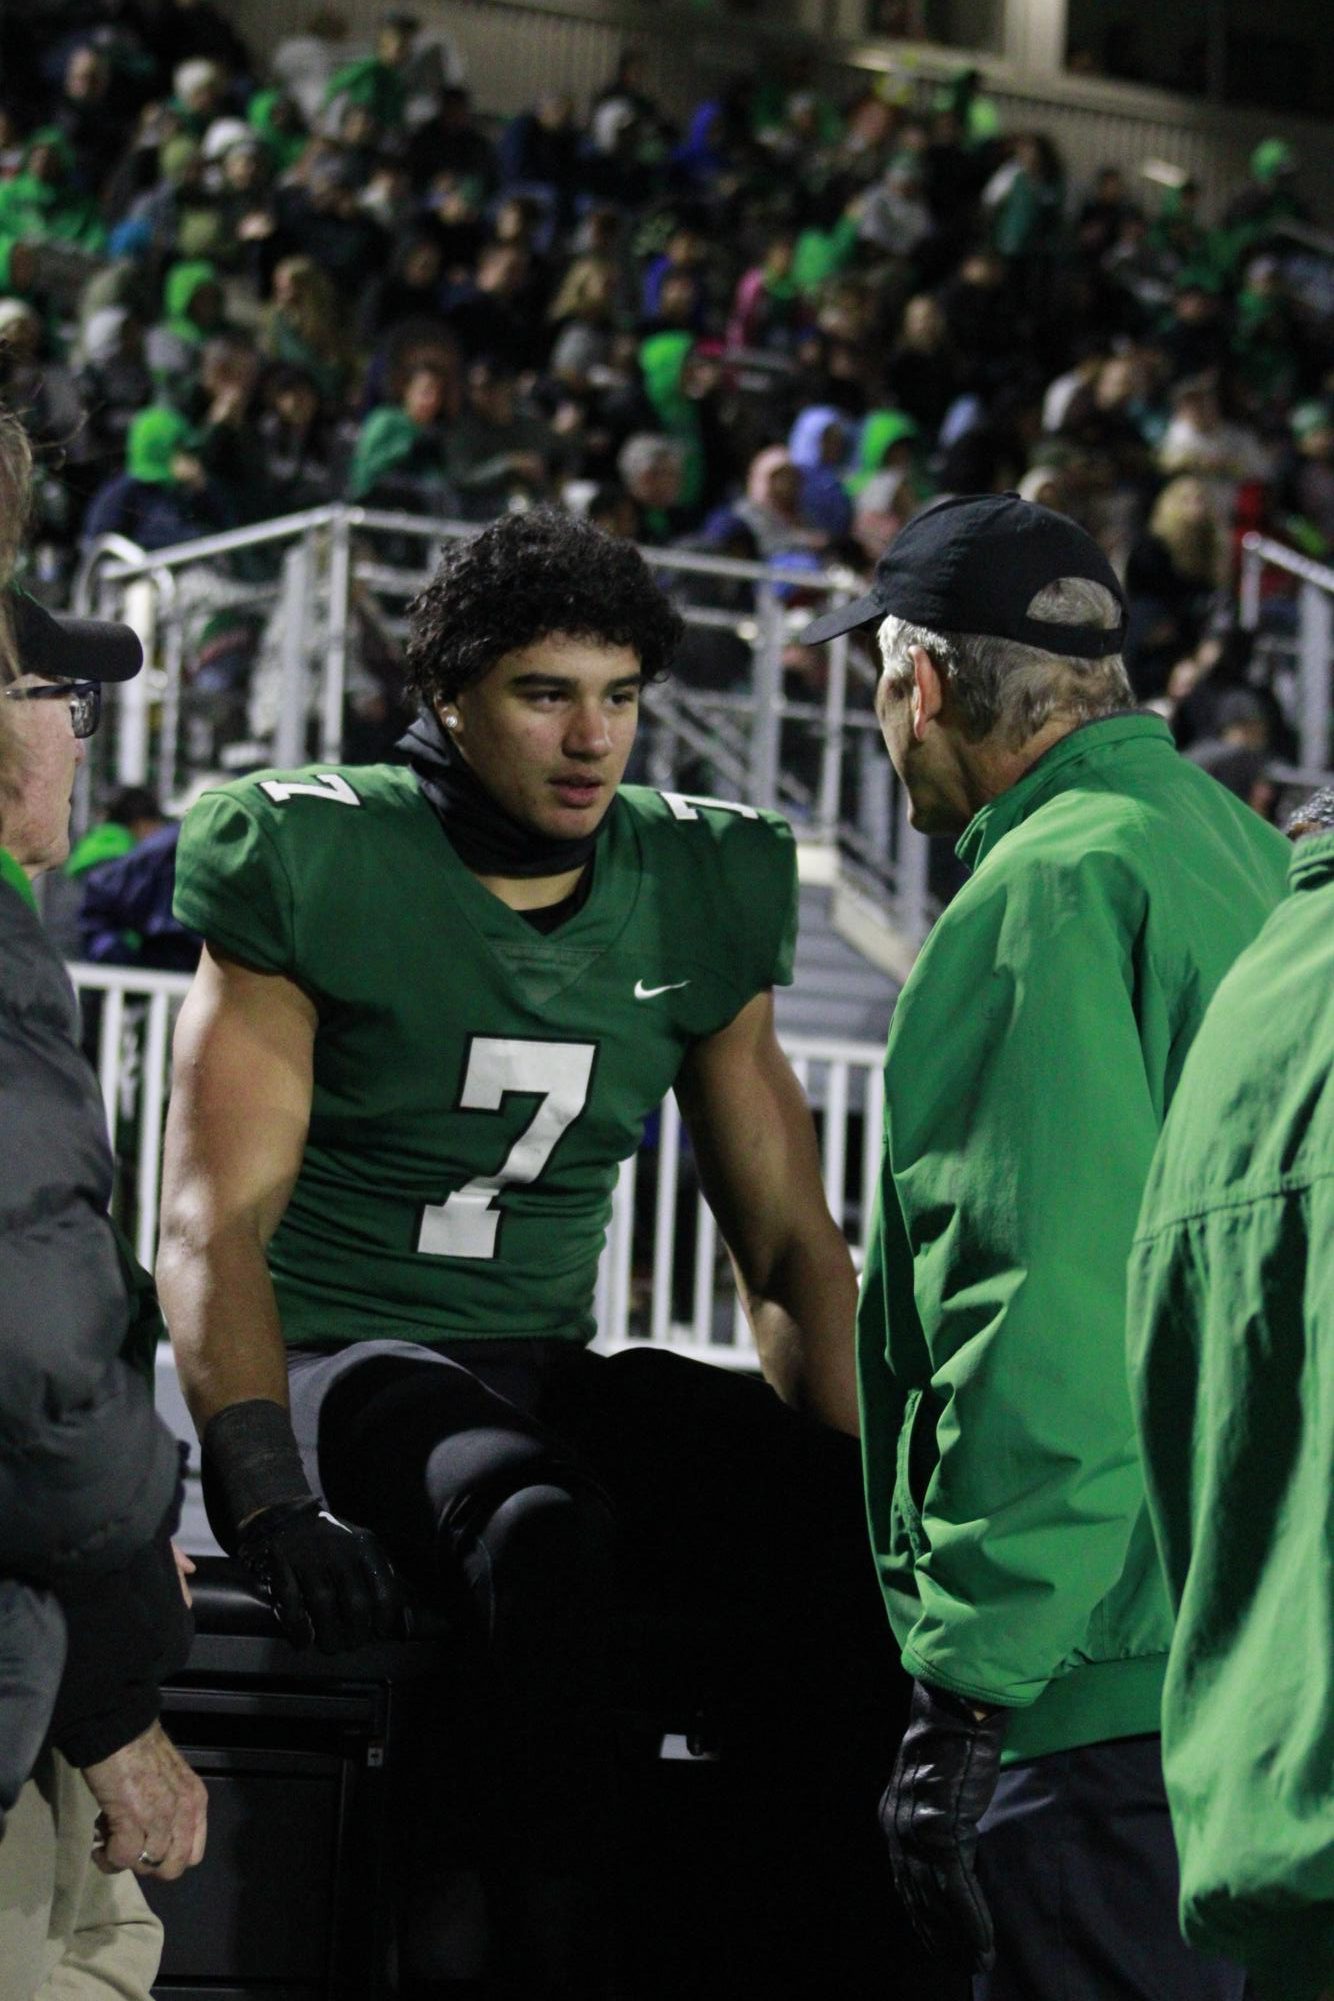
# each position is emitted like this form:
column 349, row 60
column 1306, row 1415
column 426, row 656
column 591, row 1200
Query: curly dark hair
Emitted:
column 524, row 577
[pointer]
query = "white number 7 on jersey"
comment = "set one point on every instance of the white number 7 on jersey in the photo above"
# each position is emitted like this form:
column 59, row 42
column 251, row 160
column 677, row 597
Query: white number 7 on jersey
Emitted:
column 466, row 1224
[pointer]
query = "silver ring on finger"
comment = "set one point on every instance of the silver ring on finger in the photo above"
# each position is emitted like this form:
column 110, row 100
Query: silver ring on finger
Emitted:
column 147, row 1861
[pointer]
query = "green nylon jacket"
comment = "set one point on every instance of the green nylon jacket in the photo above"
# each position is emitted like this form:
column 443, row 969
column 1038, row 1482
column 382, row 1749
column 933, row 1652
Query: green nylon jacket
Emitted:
column 1231, row 1318
column 1032, row 1057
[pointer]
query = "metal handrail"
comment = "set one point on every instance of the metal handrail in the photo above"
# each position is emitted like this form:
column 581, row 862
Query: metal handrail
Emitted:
column 1315, row 635
column 1281, row 557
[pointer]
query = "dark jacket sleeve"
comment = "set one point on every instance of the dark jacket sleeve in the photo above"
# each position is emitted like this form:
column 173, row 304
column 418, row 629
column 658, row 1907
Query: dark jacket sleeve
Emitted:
column 87, row 1469
column 32, row 1654
column 128, row 1631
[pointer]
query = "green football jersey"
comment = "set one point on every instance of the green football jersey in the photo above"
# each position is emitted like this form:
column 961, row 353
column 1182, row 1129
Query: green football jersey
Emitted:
column 477, row 1083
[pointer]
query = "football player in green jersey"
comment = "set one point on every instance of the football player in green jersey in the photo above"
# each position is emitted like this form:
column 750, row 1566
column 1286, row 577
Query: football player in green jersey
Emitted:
column 437, row 1003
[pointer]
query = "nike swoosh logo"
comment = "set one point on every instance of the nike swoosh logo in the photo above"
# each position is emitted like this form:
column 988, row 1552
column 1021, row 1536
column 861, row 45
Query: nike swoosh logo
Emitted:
column 647, row 993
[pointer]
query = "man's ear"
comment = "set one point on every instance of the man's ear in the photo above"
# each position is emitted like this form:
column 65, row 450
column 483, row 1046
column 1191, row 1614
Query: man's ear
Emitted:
column 928, row 691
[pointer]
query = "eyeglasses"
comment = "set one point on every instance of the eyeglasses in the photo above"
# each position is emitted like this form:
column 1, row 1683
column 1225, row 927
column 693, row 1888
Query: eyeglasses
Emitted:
column 84, row 698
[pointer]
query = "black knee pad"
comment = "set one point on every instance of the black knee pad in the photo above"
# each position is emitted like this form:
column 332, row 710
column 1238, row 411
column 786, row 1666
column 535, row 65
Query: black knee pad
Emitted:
column 472, row 1476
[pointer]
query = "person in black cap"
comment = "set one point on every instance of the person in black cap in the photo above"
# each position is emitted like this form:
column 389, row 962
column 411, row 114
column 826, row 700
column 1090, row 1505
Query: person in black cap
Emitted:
column 92, row 1791
column 62, row 665
column 1033, row 1053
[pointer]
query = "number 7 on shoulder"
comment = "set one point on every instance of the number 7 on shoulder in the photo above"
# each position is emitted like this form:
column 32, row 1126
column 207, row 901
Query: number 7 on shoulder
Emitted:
column 329, row 785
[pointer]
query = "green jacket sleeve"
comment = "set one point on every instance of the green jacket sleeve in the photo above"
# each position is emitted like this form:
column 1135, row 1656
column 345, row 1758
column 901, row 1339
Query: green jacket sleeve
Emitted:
column 1020, row 1128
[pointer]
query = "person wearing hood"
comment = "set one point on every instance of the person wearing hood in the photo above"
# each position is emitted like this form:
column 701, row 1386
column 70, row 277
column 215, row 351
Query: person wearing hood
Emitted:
column 819, row 446
column 275, row 116
column 1269, row 199
column 772, row 509
column 163, row 496
column 42, row 204
column 399, row 456
column 193, row 309
column 376, row 83
column 664, row 364
column 885, row 482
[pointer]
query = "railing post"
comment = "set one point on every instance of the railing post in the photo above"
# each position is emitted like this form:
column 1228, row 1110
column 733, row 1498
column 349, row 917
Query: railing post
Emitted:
column 1315, row 635
column 767, row 722
column 831, row 756
column 173, row 650
column 335, row 645
column 289, row 740
column 1252, row 562
column 138, row 609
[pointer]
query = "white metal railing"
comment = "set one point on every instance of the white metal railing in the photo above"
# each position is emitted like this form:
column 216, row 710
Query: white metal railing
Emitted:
column 820, row 759
column 663, row 1280
column 1314, row 639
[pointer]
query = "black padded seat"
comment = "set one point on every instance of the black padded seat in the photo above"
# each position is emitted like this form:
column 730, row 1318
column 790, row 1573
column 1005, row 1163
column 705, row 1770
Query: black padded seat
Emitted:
column 228, row 1608
column 301, row 1752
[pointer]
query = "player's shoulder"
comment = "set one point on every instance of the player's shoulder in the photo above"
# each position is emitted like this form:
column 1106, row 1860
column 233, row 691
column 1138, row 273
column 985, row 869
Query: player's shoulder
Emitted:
column 286, row 804
column 688, row 823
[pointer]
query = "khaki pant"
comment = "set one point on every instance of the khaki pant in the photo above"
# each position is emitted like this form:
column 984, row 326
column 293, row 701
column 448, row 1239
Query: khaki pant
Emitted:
column 67, row 1932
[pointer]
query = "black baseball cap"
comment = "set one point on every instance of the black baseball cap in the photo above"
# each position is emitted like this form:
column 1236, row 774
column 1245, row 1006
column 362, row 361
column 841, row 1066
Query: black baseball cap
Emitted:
column 973, row 563
column 61, row 648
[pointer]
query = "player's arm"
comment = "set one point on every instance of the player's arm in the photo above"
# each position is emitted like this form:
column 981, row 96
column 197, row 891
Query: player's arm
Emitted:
column 754, row 1139
column 236, row 1131
column 240, row 1111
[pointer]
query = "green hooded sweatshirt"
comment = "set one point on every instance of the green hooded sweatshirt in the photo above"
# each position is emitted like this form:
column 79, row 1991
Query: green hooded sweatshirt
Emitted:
column 880, row 430
column 285, row 148
column 1032, row 1056
column 373, row 85
column 37, row 211
column 153, row 440
column 662, row 362
column 182, row 282
column 1231, row 1337
column 820, row 254
column 105, row 843
column 387, row 439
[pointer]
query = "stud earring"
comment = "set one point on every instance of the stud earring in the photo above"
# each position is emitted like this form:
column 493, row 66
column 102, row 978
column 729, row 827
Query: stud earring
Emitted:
column 451, row 719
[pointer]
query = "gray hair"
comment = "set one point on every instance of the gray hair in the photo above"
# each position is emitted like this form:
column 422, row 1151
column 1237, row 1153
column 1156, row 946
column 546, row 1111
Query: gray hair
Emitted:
column 1314, row 816
column 645, row 450
column 1003, row 687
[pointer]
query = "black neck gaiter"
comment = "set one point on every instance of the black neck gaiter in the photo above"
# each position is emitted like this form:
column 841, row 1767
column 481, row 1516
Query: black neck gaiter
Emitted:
column 486, row 838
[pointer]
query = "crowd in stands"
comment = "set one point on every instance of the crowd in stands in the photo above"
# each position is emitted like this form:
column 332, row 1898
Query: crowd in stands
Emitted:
column 231, row 288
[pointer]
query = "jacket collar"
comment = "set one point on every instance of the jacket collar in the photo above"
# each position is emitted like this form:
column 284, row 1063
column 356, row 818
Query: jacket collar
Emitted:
column 16, row 877
column 1312, row 864
column 1054, row 771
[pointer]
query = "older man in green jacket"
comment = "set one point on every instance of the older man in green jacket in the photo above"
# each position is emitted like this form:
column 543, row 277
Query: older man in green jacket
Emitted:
column 1033, row 1054
column 1232, row 1354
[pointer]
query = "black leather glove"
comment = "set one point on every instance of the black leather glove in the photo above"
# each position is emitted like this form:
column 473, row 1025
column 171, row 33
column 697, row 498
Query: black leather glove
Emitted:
column 943, row 1781
column 327, row 1581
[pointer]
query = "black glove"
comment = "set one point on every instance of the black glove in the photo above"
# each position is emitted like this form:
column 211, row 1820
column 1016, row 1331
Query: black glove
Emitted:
column 327, row 1581
column 943, row 1781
